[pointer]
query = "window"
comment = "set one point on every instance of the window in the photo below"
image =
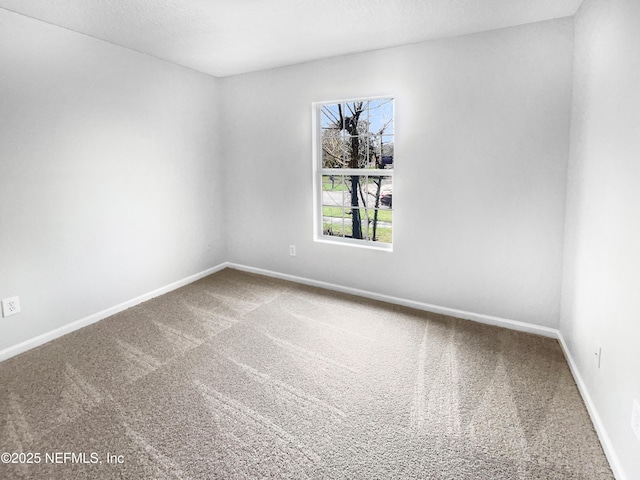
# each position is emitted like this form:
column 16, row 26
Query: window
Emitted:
column 354, row 171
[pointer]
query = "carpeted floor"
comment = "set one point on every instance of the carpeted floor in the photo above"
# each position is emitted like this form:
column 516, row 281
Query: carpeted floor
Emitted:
column 240, row 376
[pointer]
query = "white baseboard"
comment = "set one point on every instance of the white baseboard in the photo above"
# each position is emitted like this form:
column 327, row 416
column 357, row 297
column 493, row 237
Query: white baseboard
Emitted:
column 607, row 446
column 83, row 322
column 477, row 317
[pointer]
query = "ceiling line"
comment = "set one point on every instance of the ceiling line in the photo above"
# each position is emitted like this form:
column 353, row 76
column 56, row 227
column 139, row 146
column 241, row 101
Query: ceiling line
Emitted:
column 109, row 42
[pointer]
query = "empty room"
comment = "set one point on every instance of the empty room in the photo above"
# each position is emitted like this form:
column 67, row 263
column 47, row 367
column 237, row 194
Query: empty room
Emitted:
column 354, row 239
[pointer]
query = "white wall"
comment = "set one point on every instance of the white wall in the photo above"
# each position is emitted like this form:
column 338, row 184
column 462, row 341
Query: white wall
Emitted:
column 109, row 175
column 601, row 288
column 482, row 139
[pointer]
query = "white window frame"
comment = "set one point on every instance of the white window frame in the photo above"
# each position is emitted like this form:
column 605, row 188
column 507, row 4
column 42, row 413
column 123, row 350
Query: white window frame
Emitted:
column 319, row 172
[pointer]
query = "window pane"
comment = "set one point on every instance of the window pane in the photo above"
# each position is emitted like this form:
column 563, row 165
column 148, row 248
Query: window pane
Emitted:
column 383, row 227
column 379, row 192
column 334, row 221
column 334, row 149
column 368, row 192
column 387, row 151
column 329, row 117
column 381, row 116
column 374, row 188
column 356, row 151
column 363, row 191
column 332, row 190
column 331, row 213
column 375, row 151
column 331, row 229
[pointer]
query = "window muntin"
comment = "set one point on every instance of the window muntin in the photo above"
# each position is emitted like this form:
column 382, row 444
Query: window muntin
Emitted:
column 354, row 171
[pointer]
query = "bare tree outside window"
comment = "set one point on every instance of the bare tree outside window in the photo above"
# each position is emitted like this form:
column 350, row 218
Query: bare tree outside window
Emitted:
column 356, row 169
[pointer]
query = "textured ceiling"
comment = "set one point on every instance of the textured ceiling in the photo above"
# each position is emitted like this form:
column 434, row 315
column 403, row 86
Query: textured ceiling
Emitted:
column 226, row 37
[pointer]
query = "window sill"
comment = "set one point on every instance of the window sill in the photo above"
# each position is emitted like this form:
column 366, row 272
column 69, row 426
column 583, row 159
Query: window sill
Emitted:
column 384, row 247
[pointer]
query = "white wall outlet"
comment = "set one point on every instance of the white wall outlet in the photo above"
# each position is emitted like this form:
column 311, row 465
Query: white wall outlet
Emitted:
column 597, row 352
column 292, row 250
column 10, row 306
column 635, row 419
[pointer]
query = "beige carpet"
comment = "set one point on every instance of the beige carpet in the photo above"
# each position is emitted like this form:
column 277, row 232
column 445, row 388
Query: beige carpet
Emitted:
column 240, row 376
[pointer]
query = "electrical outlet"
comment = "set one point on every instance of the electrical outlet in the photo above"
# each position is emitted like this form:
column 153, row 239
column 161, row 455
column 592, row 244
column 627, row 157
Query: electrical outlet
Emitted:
column 10, row 306
column 635, row 419
column 292, row 250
